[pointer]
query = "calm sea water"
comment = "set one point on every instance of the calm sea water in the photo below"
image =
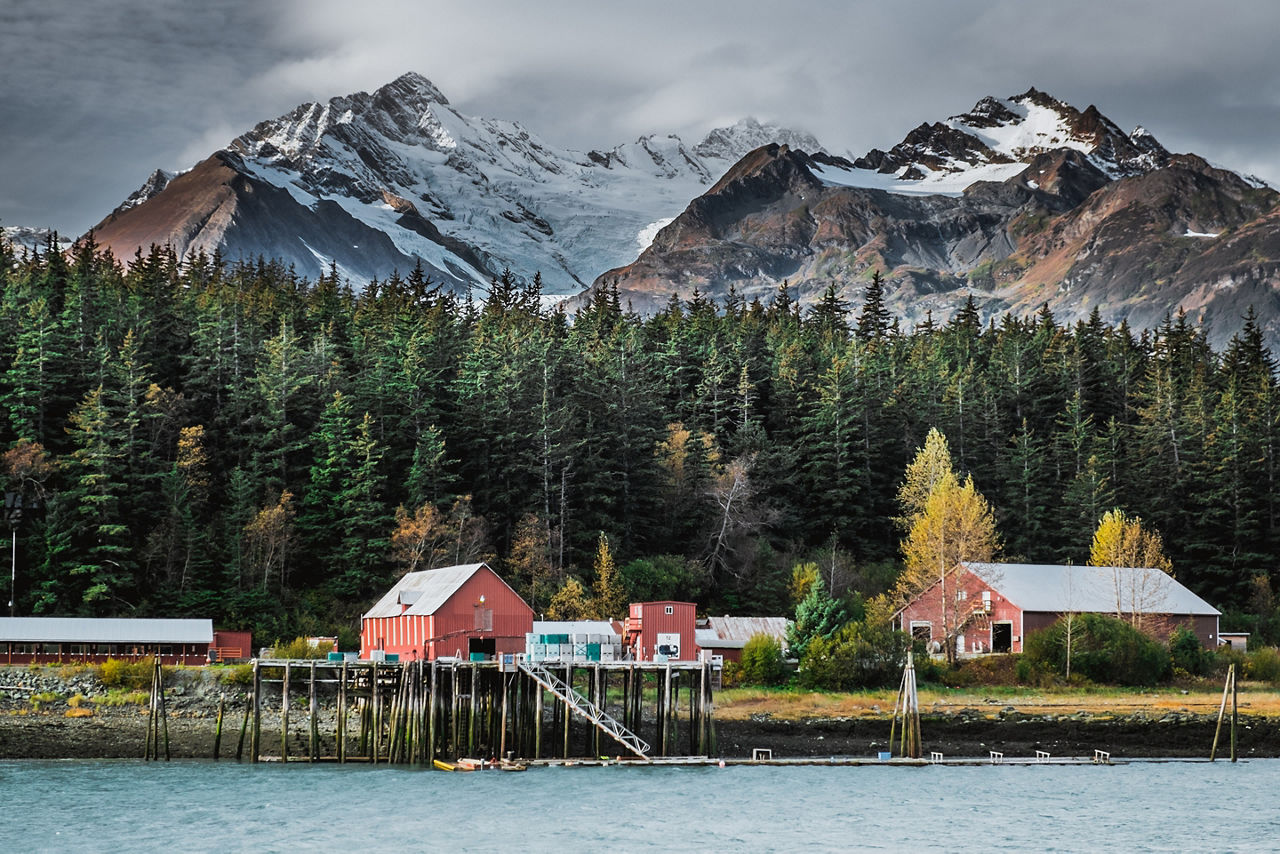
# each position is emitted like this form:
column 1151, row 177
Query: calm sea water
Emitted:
column 202, row 806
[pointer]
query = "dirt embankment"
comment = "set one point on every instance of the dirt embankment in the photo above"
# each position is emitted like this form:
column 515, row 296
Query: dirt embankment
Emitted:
column 62, row 713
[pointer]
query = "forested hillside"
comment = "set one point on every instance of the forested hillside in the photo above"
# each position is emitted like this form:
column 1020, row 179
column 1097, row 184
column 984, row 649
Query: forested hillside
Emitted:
column 232, row 441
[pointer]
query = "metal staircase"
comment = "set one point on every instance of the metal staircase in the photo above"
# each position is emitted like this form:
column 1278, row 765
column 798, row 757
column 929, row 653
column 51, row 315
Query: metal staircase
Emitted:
column 584, row 707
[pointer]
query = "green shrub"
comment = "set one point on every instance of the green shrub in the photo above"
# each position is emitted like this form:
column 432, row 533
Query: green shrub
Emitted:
column 762, row 662
column 857, row 656
column 300, row 647
column 1187, row 653
column 236, row 674
column 1263, row 665
column 135, row 675
column 118, row 697
column 1103, row 649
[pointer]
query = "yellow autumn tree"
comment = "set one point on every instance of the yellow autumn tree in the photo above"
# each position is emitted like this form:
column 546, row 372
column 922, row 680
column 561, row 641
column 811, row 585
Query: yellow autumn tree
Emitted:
column 947, row 521
column 932, row 463
column 570, row 602
column 1123, row 542
column 610, row 599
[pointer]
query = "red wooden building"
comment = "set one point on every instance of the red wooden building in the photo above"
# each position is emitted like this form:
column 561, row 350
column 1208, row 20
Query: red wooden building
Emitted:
column 991, row 607
column 24, row 640
column 661, row 631
column 462, row 611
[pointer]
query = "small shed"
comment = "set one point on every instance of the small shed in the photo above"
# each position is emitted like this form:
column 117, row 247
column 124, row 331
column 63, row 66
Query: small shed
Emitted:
column 93, row 639
column 661, row 631
column 1238, row 641
column 466, row 611
column 726, row 636
column 992, row 607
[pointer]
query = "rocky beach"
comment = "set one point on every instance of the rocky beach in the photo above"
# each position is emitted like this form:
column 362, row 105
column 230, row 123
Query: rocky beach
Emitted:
column 67, row 713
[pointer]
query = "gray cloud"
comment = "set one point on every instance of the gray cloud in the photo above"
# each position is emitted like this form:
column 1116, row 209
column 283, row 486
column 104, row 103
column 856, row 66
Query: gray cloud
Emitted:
column 96, row 95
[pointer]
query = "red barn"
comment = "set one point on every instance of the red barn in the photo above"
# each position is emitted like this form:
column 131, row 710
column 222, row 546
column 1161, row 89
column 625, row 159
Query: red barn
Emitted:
column 991, row 607
column 661, row 631
column 466, row 611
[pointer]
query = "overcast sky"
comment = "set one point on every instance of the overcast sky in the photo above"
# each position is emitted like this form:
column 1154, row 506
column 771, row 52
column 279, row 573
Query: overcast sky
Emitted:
column 95, row 95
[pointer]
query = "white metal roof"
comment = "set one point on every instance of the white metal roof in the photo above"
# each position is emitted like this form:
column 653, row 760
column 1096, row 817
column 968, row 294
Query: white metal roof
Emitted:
column 104, row 630
column 424, row 592
column 1096, row 589
column 573, row 627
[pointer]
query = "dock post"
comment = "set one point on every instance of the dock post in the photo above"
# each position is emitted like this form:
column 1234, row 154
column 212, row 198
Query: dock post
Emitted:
column 314, row 739
column 1235, row 715
column 257, row 712
column 537, row 719
column 471, row 728
column 244, row 729
column 1222, row 710
column 502, row 725
column 164, row 713
column 455, row 710
column 217, row 729
column 666, row 710
column 568, row 680
column 432, row 706
column 284, row 715
column 376, row 718
column 341, row 733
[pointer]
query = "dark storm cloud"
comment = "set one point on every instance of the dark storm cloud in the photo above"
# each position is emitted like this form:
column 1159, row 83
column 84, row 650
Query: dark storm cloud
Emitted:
column 95, row 95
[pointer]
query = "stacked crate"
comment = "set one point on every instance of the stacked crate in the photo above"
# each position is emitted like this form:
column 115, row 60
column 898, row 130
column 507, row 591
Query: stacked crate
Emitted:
column 577, row 648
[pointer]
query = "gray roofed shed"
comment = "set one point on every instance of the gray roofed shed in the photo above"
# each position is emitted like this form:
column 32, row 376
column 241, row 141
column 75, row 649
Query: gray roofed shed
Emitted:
column 105, row 630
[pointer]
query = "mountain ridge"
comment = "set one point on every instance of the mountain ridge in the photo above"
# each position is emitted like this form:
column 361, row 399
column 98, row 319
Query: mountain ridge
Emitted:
column 386, row 180
column 1019, row 203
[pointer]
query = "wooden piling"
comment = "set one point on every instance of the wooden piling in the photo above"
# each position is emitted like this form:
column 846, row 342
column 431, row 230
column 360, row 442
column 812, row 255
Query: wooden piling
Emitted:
column 217, row 728
column 284, row 715
column 341, row 733
column 313, row 745
column 257, row 712
column 244, row 728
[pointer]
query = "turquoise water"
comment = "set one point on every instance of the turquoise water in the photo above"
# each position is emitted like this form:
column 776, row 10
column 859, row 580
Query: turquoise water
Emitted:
column 202, row 806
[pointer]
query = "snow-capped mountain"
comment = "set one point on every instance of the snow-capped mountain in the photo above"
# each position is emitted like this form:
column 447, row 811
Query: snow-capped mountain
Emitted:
column 995, row 141
column 378, row 182
column 35, row 239
column 1018, row 203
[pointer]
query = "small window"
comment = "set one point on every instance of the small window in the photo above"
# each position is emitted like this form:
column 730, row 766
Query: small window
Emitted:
column 670, row 609
column 962, row 595
column 484, row 619
column 922, row 630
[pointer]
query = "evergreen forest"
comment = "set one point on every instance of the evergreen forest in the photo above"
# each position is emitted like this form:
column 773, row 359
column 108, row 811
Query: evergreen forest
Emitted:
column 192, row 437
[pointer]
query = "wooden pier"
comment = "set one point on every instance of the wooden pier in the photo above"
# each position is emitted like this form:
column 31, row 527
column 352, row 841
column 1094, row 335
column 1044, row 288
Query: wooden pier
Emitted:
column 414, row 713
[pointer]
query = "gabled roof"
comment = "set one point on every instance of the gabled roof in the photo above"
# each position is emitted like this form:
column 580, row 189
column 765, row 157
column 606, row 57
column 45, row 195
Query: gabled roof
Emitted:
column 736, row 631
column 104, row 630
column 1094, row 589
column 425, row 591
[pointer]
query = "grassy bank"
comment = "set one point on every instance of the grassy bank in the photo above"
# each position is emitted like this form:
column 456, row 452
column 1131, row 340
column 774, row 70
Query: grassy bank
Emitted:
column 1257, row 699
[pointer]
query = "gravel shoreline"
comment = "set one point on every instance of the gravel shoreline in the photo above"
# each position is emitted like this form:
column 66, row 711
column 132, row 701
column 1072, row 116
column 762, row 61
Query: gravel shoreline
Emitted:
column 51, row 729
column 113, row 736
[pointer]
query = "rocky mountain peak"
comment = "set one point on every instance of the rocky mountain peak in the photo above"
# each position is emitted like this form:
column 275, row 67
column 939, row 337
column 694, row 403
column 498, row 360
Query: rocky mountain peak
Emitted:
column 412, row 87
column 748, row 134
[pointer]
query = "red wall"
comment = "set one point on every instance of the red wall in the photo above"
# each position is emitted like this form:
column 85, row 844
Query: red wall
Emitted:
column 977, row 629
column 446, row 632
column 646, row 620
column 234, row 645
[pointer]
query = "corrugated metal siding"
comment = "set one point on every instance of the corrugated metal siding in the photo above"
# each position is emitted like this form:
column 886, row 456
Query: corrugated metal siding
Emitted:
column 655, row 621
